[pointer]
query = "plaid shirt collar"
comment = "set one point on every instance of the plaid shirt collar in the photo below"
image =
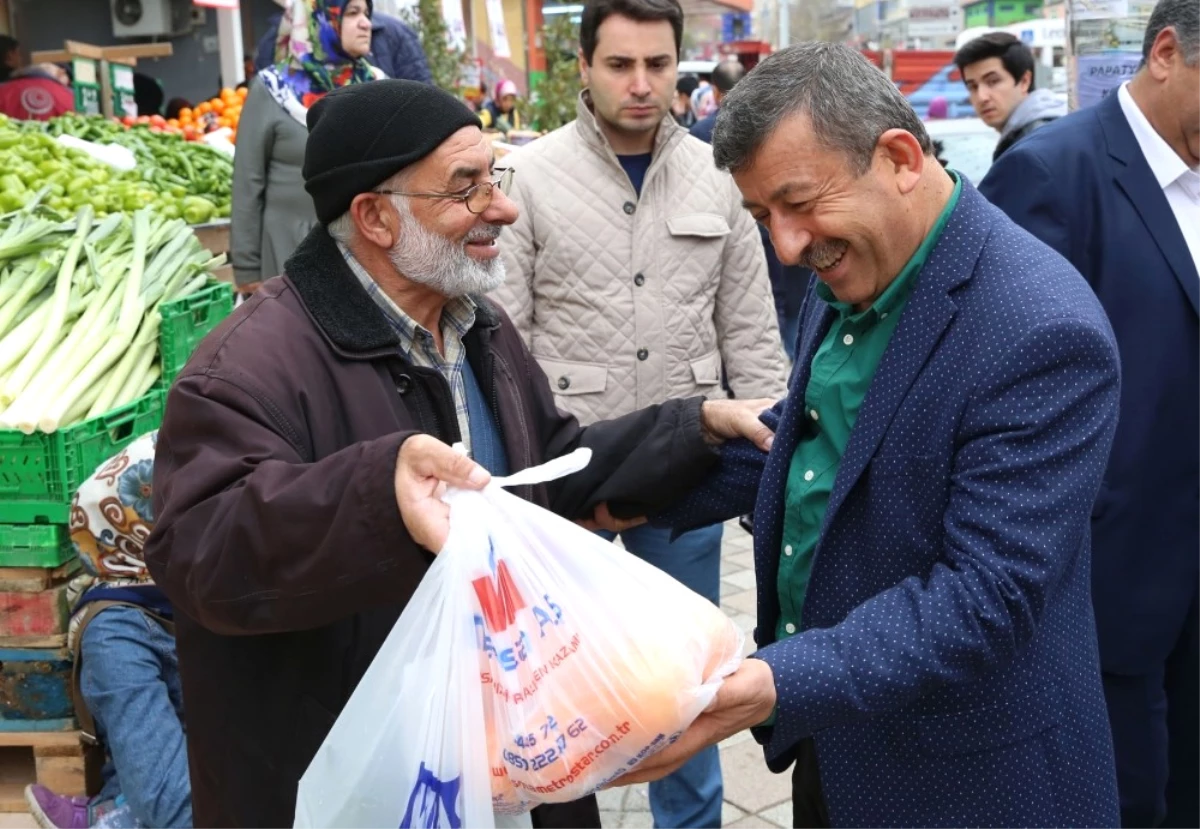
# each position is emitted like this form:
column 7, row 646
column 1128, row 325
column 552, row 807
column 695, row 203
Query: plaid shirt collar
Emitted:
column 419, row 347
column 458, row 315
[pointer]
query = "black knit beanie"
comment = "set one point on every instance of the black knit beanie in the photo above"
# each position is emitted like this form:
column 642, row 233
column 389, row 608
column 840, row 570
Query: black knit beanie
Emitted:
column 362, row 134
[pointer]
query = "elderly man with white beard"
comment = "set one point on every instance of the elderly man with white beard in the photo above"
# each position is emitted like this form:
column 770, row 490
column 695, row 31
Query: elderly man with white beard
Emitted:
column 304, row 447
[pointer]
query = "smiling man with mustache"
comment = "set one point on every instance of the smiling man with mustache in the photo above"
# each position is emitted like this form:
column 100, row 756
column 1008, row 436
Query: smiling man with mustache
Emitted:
column 927, row 648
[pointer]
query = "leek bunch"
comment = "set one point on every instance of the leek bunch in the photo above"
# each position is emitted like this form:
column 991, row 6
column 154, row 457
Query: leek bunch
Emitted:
column 79, row 309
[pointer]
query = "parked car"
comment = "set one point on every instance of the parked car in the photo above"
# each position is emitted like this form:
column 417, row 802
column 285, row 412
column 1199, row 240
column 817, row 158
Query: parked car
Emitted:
column 967, row 145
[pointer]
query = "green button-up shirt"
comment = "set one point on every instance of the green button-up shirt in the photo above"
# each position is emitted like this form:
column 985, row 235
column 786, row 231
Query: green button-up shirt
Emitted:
column 842, row 370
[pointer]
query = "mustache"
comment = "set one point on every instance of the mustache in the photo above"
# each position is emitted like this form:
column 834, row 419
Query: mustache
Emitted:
column 486, row 233
column 822, row 252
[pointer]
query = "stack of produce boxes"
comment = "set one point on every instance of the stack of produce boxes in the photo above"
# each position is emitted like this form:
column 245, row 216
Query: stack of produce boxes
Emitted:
column 39, row 474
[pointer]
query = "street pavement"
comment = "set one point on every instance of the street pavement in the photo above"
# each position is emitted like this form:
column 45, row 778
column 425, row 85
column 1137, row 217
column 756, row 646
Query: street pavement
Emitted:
column 753, row 796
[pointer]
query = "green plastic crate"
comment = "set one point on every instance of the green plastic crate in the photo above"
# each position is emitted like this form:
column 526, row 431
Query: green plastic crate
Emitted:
column 185, row 322
column 40, row 473
column 35, row 545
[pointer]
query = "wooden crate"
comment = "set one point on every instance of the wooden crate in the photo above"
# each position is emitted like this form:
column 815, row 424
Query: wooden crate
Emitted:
column 34, row 620
column 35, row 690
column 61, row 762
column 33, row 606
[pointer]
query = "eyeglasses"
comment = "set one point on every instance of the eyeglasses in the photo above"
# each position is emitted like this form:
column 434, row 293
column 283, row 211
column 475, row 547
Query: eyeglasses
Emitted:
column 477, row 198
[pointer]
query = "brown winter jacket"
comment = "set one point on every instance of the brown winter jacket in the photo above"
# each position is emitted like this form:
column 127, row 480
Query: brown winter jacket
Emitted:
column 278, row 540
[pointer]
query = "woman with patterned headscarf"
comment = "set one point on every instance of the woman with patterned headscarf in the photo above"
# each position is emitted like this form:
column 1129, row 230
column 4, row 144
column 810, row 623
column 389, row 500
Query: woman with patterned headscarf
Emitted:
column 322, row 45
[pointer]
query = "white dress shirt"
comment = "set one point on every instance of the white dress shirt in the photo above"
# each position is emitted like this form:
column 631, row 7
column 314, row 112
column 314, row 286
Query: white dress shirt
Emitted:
column 1180, row 183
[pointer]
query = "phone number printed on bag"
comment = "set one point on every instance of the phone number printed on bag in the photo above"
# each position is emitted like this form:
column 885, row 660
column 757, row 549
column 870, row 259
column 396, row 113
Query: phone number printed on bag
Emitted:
column 556, row 751
column 578, row 768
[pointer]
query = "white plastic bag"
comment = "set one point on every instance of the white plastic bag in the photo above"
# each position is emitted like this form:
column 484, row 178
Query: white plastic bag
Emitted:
column 535, row 663
column 114, row 155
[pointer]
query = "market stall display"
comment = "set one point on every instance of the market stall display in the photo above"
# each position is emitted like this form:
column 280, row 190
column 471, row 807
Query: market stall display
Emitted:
column 187, row 169
column 109, row 239
column 79, row 310
column 176, row 178
column 40, row 471
column 223, row 111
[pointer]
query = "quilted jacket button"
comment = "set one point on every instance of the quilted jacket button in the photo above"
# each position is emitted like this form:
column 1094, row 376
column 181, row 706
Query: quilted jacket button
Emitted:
column 404, row 384
column 639, row 280
column 629, row 208
column 643, row 354
column 564, row 383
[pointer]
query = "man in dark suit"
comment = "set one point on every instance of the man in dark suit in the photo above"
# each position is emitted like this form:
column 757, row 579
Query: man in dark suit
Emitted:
column 1114, row 189
column 927, row 649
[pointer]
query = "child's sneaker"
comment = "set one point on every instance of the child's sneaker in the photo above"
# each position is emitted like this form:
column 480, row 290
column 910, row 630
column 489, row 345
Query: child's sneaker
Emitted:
column 56, row 811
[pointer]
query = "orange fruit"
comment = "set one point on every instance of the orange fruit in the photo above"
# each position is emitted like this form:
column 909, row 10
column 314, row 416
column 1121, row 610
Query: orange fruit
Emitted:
column 573, row 715
column 185, row 114
column 216, row 105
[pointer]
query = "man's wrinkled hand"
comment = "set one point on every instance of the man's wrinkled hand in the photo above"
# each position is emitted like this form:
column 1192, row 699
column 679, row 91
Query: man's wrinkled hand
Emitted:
column 424, row 468
column 724, row 420
column 746, row 698
column 602, row 519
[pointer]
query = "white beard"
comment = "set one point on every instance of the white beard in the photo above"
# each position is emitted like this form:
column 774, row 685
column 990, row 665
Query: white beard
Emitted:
column 432, row 260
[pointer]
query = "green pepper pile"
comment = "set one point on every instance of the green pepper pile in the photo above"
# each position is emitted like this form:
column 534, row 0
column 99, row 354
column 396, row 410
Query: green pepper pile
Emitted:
column 179, row 179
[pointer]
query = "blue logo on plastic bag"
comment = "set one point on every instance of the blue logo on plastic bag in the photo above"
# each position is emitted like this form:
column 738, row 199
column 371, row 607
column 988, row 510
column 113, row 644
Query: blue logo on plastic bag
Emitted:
column 429, row 799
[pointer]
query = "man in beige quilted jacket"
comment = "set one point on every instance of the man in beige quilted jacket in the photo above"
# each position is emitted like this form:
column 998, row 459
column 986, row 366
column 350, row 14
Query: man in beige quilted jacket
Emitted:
column 635, row 275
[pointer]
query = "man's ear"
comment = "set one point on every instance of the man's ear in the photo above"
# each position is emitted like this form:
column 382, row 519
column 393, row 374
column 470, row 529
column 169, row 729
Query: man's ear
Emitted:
column 584, row 70
column 376, row 220
column 905, row 157
column 1026, row 81
column 1162, row 53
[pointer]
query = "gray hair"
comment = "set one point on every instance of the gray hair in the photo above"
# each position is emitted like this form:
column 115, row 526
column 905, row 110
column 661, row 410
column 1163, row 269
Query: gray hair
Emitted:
column 1184, row 17
column 342, row 228
column 849, row 102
